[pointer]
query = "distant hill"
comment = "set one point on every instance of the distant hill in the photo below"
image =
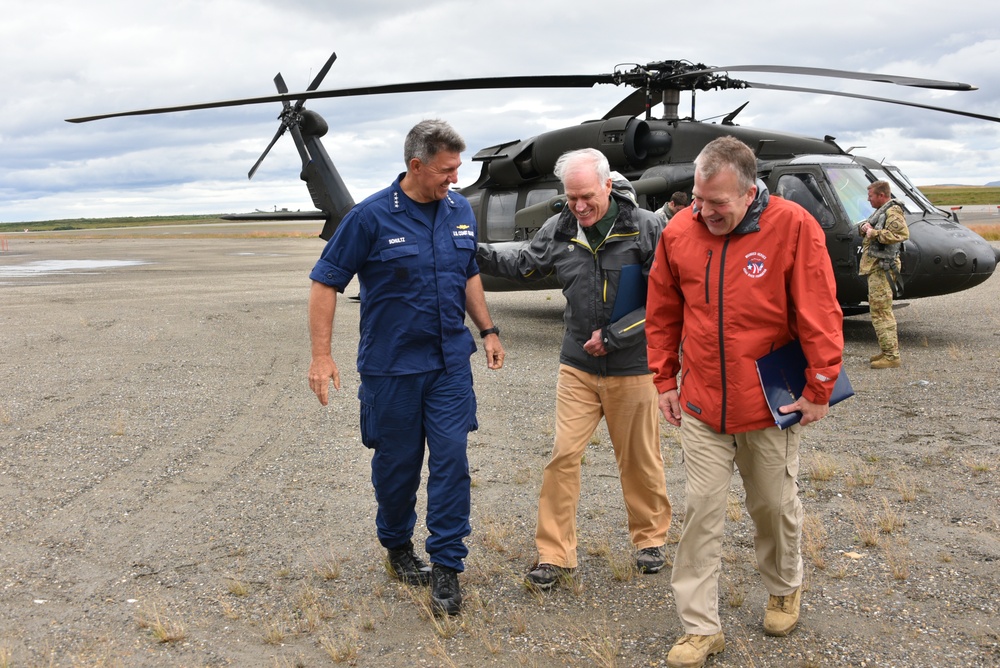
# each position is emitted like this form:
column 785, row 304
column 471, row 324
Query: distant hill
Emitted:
column 993, row 184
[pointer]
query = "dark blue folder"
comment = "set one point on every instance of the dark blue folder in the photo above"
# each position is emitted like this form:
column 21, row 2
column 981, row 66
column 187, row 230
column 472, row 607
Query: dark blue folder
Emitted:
column 783, row 377
column 631, row 292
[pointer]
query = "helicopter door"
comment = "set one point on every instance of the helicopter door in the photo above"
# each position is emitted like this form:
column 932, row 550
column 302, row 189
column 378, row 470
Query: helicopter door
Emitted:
column 811, row 190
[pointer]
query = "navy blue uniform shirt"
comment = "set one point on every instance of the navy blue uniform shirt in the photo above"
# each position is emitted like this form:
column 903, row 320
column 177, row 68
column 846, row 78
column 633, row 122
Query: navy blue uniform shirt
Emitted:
column 413, row 274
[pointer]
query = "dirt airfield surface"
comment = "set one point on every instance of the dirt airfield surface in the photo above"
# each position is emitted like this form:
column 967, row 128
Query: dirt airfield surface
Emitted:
column 171, row 493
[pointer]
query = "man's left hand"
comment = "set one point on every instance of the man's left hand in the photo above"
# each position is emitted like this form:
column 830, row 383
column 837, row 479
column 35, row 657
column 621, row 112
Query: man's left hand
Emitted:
column 595, row 345
column 810, row 412
column 494, row 351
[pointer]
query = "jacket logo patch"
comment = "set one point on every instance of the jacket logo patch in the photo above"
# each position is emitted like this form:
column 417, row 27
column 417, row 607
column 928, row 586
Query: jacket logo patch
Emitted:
column 397, row 240
column 755, row 265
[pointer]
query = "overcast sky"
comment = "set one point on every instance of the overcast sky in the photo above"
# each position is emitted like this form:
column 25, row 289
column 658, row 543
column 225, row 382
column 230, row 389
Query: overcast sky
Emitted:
column 63, row 58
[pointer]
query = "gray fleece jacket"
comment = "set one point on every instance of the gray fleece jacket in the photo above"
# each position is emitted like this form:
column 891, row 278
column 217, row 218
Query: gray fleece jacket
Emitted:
column 590, row 280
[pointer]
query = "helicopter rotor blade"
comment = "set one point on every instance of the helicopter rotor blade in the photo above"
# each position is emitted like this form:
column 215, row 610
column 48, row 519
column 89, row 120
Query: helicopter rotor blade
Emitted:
column 318, row 79
column 633, row 105
column 277, row 136
column 279, row 83
column 837, row 74
column 556, row 81
column 820, row 91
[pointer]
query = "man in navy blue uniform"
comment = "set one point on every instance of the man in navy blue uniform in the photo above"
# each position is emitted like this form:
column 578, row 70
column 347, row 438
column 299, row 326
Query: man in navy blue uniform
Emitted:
column 413, row 248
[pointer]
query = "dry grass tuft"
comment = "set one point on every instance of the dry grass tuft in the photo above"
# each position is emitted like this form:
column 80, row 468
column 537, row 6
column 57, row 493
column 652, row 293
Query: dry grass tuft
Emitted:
column 602, row 643
column 164, row 630
column 977, row 465
column 864, row 525
column 897, row 558
column 343, row 647
column 622, row 565
column 734, row 508
column 327, row 567
column 861, row 475
column 889, row 519
column 822, row 468
column 907, row 488
column 237, row 587
column 814, row 539
column 735, row 595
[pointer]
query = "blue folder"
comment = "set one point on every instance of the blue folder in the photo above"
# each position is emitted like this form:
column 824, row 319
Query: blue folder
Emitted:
column 783, row 377
column 631, row 292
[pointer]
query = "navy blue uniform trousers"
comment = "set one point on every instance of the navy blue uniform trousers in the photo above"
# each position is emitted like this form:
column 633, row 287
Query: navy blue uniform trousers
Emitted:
column 399, row 414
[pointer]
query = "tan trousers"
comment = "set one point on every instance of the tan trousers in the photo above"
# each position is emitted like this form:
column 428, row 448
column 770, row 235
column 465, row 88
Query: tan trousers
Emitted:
column 629, row 406
column 768, row 461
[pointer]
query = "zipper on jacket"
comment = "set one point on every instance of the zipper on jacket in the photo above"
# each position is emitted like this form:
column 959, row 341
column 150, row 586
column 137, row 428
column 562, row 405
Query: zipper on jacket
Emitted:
column 722, row 346
column 708, row 272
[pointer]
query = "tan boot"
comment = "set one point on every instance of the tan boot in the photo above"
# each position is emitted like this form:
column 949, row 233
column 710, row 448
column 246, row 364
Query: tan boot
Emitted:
column 782, row 614
column 887, row 363
column 691, row 651
column 875, row 358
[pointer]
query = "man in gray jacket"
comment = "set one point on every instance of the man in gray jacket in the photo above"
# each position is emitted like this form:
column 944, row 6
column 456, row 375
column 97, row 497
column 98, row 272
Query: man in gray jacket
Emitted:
column 600, row 242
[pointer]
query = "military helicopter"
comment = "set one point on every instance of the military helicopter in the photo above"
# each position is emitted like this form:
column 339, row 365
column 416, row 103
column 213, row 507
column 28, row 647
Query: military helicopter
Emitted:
column 516, row 189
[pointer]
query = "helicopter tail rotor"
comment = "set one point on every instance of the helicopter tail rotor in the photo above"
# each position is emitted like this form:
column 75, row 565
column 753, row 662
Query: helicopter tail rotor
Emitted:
column 292, row 117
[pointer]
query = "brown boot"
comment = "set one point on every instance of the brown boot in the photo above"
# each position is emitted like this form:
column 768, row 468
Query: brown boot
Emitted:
column 875, row 358
column 691, row 651
column 887, row 363
column 782, row 614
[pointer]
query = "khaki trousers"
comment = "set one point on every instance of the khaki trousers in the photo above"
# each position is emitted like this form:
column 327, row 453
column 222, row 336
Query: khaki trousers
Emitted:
column 629, row 406
column 768, row 461
column 883, row 319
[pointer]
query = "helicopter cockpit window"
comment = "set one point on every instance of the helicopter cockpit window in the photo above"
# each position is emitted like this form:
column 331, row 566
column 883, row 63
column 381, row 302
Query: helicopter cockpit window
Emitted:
column 912, row 189
column 803, row 189
column 909, row 205
column 500, row 216
column 850, row 184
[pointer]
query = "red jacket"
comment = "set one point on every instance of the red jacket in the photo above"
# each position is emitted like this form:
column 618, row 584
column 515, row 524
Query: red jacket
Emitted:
column 728, row 300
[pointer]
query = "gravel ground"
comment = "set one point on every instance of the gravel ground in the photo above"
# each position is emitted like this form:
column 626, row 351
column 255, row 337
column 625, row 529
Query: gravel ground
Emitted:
column 171, row 493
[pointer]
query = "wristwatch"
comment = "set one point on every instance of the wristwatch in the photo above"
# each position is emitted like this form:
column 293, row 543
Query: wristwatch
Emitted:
column 486, row 332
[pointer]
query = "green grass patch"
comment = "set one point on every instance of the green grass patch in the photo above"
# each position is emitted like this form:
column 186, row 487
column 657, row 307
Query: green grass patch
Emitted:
column 958, row 195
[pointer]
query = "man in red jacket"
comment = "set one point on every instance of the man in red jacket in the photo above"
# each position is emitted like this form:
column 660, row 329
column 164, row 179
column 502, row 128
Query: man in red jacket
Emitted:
column 735, row 276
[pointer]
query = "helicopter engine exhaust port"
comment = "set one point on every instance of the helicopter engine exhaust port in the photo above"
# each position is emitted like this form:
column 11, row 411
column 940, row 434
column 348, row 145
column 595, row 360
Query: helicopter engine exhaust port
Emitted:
column 641, row 142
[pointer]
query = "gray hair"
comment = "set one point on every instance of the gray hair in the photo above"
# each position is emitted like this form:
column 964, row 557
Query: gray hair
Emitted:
column 571, row 160
column 728, row 153
column 428, row 138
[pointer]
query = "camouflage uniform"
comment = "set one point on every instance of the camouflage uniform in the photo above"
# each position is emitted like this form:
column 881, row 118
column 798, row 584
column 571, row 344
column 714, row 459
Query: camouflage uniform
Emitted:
column 880, row 261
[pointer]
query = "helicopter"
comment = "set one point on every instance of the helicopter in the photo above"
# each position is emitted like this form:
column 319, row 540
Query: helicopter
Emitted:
column 517, row 191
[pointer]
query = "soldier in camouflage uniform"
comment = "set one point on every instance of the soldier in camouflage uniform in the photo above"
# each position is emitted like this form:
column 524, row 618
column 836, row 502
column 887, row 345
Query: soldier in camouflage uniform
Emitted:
column 883, row 232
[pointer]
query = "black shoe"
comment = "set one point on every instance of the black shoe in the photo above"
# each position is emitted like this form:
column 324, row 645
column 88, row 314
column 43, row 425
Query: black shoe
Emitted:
column 544, row 576
column 446, row 595
column 407, row 567
column 650, row 560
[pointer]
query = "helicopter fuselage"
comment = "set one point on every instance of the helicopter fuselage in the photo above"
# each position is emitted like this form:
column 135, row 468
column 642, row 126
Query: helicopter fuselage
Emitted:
column 516, row 192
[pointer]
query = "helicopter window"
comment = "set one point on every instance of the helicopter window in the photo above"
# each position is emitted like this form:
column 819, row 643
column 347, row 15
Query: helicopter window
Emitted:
column 804, row 190
column 851, row 187
column 909, row 205
column 914, row 191
column 539, row 195
column 500, row 216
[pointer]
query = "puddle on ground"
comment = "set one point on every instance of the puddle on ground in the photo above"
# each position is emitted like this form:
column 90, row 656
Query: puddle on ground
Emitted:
column 46, row 267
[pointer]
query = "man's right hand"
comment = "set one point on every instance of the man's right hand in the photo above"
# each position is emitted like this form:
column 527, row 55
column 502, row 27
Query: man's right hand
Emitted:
column 321, row 371
column 670, row 406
